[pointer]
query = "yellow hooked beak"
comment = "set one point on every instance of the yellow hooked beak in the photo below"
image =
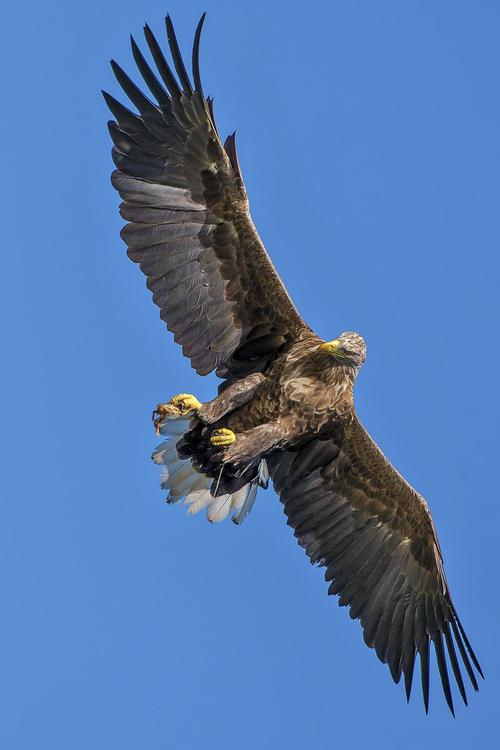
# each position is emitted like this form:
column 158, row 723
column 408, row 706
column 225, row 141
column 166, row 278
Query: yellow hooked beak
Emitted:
column 330, row 347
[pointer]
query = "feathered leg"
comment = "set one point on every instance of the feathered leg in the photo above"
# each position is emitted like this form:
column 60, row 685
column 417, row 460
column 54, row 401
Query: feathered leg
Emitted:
column 233, row 397
column 251, row 444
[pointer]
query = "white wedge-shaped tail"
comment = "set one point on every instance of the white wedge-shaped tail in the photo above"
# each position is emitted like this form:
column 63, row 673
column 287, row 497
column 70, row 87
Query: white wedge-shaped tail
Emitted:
column 184, row 482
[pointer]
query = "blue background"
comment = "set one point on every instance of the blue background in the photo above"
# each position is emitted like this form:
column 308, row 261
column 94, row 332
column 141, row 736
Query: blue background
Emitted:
column 369, row 139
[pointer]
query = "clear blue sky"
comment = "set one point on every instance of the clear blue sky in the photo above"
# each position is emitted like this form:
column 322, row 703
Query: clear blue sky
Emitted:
column 368, row 134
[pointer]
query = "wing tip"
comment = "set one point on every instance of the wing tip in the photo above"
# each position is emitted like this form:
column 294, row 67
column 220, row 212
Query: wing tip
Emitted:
column 196, row 57
column 177, row 56
column 468, row 646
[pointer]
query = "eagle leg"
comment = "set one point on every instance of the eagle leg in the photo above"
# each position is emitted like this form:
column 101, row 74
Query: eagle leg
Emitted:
column 232, row 397
column 254, row 443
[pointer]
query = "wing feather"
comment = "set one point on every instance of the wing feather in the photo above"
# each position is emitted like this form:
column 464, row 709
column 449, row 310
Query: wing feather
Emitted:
column 356, row 516
column 188, row 215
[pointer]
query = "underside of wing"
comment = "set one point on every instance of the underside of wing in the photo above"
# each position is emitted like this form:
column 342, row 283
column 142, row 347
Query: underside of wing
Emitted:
column 189, row 225
column 356, row 516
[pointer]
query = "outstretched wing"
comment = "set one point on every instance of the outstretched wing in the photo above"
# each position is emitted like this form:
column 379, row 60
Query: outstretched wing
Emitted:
column 189, row 223
column 355, row 515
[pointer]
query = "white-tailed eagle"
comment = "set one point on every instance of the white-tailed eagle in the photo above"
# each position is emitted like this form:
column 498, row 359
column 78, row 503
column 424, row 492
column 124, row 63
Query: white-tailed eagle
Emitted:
column 285, row 408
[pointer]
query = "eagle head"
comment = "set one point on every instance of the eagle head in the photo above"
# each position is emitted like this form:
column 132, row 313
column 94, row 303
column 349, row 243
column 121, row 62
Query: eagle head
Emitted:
column 349, row 349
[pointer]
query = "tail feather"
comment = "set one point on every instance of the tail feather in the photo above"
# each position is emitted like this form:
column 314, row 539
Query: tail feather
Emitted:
column 248, row 493
column 174, row 426
column 219, row 508
column 197, row 501
column 165, row 452
column 263, row 474
column 170, row 471
column 183, row 480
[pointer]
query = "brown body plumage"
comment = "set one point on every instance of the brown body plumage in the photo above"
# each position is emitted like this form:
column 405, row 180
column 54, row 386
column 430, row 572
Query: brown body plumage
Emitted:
column 285, row 408
column 301, row 393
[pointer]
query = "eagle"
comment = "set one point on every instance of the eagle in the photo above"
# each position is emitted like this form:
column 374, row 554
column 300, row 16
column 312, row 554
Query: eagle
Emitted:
column 284, row 410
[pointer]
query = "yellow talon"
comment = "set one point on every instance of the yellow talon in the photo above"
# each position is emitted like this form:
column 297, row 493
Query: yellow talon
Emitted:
column 222, row 437
column 161, row 412
column 185, row 402
column 179, row 406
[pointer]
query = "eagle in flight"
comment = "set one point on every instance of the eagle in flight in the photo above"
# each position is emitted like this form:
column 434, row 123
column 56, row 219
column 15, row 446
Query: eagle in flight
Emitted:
column 285, row 408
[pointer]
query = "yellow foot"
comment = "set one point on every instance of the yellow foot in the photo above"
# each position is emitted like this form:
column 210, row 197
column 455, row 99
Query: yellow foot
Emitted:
column 179, row 406
column 222, row 437
column 185, row 402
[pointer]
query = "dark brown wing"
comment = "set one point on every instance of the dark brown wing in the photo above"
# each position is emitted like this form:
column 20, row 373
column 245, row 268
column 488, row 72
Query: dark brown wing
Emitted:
column 189, row 222
column 354, row 514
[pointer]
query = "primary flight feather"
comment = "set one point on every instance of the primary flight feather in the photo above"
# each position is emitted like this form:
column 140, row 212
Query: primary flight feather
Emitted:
column 285, row 408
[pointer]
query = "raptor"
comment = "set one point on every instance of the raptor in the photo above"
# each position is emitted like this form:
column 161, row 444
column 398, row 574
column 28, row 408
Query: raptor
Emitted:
column 285, row 410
